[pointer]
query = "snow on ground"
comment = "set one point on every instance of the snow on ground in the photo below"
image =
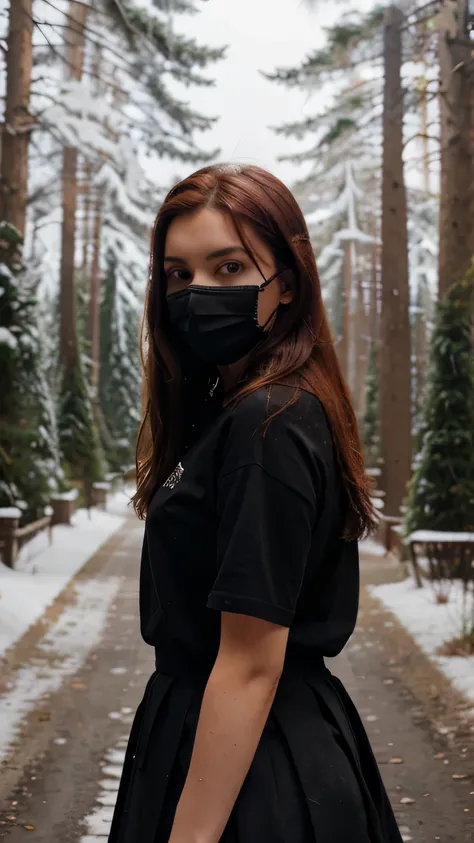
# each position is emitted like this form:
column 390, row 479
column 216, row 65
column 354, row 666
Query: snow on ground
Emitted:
column 63, row 652
column 99, row 820
column 42, row 571
column 372, row 548
column 432, row 624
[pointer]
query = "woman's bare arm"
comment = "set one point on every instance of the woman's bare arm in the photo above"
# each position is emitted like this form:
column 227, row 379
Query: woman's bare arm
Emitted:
column 235, row 707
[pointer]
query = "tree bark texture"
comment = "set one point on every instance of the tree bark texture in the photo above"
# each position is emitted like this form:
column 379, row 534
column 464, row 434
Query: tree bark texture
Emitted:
column 456, row 222
column 17, row 127
column 94, row 300
column 394, row 349
column 68, row 330
column 345, row 343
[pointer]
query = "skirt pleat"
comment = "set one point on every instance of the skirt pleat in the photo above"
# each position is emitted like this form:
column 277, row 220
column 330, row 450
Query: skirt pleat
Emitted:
column 313, row 779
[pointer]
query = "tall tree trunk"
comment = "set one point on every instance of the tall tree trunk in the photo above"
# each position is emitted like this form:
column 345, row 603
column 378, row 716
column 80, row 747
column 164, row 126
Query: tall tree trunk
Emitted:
column 95, row 279
column 362, row 331
column 94, row 300
column 18, row 121
column 394, row 350
column 374, row 294
column 68, row 333
column 345, row 343
column 420, row 342
column 67, row 290
column 455, row 220
column 424, row 134
column 86, row 209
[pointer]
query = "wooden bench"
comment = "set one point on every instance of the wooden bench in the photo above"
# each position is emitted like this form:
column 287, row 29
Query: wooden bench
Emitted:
column 448, row 555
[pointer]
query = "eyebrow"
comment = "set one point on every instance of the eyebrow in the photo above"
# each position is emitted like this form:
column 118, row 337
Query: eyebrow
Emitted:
column 219, row 253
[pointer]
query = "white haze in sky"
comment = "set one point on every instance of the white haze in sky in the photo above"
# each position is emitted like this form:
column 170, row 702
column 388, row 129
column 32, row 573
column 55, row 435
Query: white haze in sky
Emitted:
column 262, row 35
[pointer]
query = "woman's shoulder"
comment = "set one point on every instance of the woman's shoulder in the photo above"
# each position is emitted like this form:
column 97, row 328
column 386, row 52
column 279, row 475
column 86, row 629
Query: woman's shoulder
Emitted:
column 279, row 407
column 281, row 429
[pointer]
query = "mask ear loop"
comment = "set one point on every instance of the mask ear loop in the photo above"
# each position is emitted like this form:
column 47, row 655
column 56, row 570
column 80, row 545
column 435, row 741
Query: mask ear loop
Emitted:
column 269, row 280
column 262, row 287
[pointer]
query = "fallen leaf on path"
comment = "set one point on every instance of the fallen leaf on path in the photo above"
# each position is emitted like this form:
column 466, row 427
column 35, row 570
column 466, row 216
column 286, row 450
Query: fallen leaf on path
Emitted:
column 78, row 686
column 396, row 761
column 460, row 776
column 407, row 800
column 439, row 755
column 29, row 827
column 43, row 716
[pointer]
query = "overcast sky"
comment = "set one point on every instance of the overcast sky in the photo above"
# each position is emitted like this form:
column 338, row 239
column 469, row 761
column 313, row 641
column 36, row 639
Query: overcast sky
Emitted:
column 262, row 35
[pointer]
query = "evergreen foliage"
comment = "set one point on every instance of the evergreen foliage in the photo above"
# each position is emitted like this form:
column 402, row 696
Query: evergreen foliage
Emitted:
column 120, row 380
column 442, row 490
column 29, row 463
column 78, row 436
column 370, row 427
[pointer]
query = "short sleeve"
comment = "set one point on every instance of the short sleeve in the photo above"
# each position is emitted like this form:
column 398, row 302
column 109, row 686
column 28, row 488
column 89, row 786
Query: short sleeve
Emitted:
column 267, row 505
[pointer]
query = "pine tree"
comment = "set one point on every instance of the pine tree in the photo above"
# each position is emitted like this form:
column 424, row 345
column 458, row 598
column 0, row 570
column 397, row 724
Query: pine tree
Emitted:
column 79, row 440
column 120, row 381
column 29, row 464
column 370, row 427
column 442, row 490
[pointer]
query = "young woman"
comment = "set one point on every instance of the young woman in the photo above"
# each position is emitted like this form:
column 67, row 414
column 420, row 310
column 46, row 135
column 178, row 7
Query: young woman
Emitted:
column 251, row 478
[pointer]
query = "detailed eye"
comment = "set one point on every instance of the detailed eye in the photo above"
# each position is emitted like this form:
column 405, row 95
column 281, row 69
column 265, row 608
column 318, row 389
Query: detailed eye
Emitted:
column 232, row 267
column 182, row 275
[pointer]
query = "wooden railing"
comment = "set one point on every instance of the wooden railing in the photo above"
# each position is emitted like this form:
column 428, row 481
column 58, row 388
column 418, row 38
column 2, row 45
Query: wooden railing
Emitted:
column 29, row 531
column 13, row 537
column 442, row 556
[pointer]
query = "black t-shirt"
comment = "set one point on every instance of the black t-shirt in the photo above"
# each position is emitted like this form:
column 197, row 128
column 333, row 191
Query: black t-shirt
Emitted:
column 250, row 521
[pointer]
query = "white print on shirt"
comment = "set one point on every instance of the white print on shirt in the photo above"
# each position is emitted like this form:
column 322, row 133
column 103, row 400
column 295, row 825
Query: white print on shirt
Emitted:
column 174, row 477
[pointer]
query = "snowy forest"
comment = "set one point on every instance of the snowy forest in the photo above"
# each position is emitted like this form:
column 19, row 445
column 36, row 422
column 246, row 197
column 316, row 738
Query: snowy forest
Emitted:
column 90, row 103
column 88, row 108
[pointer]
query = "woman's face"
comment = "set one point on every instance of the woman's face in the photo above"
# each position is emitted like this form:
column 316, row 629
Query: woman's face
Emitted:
column 203, row 248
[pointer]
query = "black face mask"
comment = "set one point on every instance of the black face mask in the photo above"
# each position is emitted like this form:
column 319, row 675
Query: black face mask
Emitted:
column 219, row 324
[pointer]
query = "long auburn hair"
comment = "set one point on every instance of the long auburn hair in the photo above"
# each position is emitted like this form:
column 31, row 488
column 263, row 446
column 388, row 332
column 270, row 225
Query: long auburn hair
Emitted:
column 298, row 350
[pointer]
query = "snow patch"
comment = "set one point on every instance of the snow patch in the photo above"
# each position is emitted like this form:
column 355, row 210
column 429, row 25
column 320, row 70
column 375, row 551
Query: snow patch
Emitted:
column 98, row 821
column 70, row 495
column 432, row 625
column 372, row 548
column 10, row 512
column 7, row 338
column 41, row 573
column 77, row 631
column 438, row 536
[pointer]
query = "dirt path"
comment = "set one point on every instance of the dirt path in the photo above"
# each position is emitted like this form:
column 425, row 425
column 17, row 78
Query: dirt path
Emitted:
column 58, row 780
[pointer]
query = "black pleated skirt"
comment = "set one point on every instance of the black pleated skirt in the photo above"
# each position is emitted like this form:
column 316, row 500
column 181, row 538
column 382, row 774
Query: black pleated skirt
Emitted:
column 313, row 779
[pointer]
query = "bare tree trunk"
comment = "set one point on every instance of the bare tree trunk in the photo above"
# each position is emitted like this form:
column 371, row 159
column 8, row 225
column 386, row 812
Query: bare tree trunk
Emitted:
column 420, row 332
column 18, row 121
column 94, row 300
column 424, row 134
column 86, row 207
column 67, row 296
column 394, row 349
column 67, row 291
column 344, row 345
column 374, row 294
column 361, row 348
column 455, row 220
